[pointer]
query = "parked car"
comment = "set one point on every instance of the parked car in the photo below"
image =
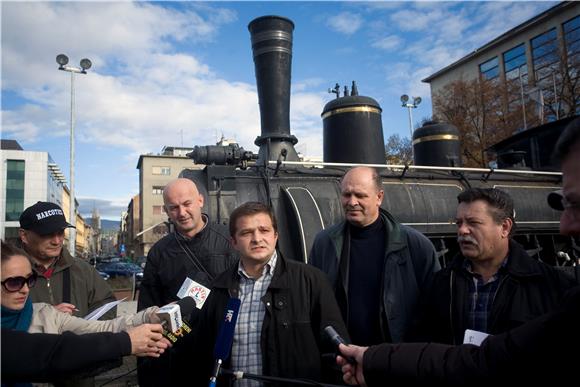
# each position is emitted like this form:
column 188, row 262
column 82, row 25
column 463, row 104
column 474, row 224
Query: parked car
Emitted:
column 125, row 269
column 141, row 261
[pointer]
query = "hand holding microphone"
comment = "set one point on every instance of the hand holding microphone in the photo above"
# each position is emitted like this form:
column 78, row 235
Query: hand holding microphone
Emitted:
column 351, row 361
column 173, row 317
column 337, row 339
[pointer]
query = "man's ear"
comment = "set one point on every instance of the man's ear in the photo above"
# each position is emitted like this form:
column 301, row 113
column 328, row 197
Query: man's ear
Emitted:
column 506, row 227
column 233, row 241
column 381, row 195
column 201, row 200
column 22, row 235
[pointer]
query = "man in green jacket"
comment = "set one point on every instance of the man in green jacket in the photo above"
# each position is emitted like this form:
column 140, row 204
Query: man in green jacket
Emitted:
column 70, row 284
column 379, row 268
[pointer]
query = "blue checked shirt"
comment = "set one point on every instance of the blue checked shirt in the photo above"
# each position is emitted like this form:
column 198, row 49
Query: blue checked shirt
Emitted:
column 246, row 349
column 481, row 296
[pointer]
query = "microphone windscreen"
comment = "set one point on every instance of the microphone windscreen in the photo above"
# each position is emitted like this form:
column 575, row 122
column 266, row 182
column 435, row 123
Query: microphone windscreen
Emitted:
column 225, row 337
column 333, row 335
column 186, row 306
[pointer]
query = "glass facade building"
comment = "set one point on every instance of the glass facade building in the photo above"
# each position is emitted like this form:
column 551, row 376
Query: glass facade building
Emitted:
column 14, row 189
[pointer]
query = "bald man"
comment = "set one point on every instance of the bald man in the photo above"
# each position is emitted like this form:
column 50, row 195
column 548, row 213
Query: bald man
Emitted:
column 196, row 249
column 379, row 268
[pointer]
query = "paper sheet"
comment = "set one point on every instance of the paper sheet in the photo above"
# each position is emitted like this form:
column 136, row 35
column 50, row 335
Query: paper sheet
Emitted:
column 97, row 313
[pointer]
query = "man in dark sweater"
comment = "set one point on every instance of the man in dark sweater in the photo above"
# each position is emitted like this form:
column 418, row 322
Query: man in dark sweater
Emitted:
column 379, row 268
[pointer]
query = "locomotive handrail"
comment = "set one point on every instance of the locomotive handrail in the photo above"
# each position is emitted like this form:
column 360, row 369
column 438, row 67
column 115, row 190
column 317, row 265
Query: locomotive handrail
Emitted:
column 419, row 167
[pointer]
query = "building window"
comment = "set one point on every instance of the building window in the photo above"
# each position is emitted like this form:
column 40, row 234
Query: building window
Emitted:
column 572, row 35
column 157, row 210
column 489, row 69
column 572, row 41
column 160, row 170
column 157, row 190
column 14, row 189
column 545, row 54
column 515, row 63
column 546, row 60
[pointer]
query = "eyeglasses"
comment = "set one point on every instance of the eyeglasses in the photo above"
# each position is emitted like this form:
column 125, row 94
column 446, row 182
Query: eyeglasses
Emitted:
column 14, row 284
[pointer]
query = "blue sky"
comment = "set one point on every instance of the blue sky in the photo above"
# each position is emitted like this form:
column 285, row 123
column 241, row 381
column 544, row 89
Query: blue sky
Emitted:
column 166, row 70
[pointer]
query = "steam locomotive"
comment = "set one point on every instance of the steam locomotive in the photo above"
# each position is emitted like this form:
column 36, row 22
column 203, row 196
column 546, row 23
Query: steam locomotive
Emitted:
column 306, row 196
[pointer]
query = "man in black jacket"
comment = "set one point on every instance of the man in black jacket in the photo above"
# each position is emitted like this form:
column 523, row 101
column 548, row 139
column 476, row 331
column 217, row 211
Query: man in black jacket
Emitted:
column 197, row 249
column 492, row 285
column 285, row 305
column 541, row 351
column 379, row 268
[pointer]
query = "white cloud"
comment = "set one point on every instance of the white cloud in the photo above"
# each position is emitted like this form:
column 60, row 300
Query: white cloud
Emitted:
column 345, row 22
column 388, row 43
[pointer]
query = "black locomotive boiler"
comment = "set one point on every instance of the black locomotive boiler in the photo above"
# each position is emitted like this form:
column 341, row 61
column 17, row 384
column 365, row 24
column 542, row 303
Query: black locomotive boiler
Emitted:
column 306, row 196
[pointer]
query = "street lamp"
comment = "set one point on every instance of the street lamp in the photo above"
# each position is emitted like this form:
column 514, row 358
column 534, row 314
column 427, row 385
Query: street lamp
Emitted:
column 85, row 64
column 405, row 103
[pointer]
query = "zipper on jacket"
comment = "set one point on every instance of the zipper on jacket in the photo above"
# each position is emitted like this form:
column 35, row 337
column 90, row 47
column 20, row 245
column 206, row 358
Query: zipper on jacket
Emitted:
column 501, row 282
column 49, row 288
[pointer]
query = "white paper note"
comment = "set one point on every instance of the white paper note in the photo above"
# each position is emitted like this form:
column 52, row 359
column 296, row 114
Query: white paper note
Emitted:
column 474, row 337
column 97, row 313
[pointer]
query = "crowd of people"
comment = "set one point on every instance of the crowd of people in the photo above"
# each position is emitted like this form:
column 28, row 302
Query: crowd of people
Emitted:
column 377, row 282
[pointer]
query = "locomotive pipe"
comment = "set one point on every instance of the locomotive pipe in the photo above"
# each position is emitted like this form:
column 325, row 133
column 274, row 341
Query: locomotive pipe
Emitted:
column 272, row 48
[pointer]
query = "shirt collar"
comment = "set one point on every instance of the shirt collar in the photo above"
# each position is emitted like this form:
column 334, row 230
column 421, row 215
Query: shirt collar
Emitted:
column 469, row 267
column 205, row 219
column 268, row 268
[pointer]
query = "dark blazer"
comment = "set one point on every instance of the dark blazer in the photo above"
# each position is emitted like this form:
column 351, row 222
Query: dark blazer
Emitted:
column 299, row 304
column 527, row 290
column 43, row 357
column 543, row 351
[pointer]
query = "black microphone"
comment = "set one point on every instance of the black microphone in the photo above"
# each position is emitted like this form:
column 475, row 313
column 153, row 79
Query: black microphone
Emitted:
column 173, row 318
column 225, row 337
column 337, row 339
column 237, row 375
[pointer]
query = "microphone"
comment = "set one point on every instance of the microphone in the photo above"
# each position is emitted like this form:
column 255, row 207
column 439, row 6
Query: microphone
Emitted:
column 173, row 318
column 225, row 337
column 237, row 375
column 337, row 339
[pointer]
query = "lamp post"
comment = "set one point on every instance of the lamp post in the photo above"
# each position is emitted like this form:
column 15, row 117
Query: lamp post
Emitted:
column 406, row 104
column 85, row 64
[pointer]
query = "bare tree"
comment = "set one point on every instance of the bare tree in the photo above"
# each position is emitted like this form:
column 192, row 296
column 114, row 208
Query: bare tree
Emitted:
column 561, row 90
column 399, row 150
column 484, row 111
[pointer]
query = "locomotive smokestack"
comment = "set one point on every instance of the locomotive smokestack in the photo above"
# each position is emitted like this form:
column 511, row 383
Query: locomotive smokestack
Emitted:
column 272, row 48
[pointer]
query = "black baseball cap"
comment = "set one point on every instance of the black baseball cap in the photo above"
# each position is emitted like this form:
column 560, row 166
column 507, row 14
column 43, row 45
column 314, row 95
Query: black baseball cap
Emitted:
column 555, row 200
column 44, row 218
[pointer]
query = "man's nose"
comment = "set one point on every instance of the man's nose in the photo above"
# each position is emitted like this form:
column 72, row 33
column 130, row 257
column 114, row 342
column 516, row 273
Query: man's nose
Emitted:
column 462, row 229
column 569, row 224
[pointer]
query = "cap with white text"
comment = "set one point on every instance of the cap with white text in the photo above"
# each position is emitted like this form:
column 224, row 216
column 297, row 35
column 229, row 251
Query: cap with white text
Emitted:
column 44, row 218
